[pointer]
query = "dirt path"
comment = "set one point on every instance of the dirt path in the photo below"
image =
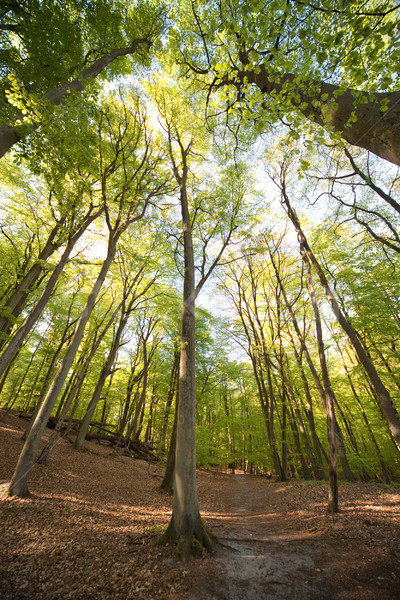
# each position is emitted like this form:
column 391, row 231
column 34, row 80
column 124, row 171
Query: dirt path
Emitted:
column 265, row 555
column 89, row 532
column 254, row 562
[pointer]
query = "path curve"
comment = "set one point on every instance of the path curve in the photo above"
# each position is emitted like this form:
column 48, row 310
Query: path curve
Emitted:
column 255, row 560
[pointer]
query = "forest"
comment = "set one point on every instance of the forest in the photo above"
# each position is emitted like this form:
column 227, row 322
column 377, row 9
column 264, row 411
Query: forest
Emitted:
column 199, row 239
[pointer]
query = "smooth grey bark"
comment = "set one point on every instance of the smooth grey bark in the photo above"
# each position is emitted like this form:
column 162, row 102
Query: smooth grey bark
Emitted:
column 382, row 393
column 20, row 335
column 23, row 125
column 20, row 479
column 374, row 129
column 186, row 526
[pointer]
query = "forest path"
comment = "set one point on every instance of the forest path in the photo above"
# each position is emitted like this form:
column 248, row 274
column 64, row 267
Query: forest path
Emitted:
column 257, row 559
column 90, row 532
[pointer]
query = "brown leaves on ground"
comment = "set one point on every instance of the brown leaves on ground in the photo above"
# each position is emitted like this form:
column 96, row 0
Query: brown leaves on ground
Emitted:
column 90, row 529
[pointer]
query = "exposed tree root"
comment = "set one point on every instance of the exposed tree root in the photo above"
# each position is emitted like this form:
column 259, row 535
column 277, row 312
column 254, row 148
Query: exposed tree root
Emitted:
column 191, row 542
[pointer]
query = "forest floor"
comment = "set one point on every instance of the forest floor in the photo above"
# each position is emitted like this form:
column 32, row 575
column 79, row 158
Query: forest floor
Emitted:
column 89, row 532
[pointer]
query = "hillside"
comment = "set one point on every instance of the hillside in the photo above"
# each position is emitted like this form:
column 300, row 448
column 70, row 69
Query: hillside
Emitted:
column 90, row 528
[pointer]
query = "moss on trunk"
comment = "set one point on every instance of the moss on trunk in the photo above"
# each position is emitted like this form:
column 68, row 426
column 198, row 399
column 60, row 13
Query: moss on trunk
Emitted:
column 192, row 542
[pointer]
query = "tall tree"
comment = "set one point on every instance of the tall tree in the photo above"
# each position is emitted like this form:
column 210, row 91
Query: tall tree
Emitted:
column 130, row 181
column 186, row 526
column 45, row 43
column 385, row 400
column 275, row 58
column 133, row 291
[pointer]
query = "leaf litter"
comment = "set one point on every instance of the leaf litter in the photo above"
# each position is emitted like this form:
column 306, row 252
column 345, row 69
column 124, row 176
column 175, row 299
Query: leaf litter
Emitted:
column 90, row 529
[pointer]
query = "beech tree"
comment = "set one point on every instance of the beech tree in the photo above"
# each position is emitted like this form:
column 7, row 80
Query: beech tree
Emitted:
column 133, row 291
column 130, row 181
column 382, row 393
column 257, row 78
column 52, row 50
column 181, row 126
column 283, row 59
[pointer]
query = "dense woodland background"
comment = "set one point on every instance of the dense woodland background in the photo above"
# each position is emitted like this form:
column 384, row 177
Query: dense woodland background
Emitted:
column 284, row 214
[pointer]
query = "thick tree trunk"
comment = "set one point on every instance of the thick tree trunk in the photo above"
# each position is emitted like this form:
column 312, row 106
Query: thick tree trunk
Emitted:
column 20, row 479
column 331, row 106
column 186, row 527
column 12, row 134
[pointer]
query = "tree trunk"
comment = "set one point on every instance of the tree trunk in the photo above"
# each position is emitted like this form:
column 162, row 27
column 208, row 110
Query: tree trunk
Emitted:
column 133, row 426
column 382, row 393
column 387, row 475
column 171, row 392
column 20, row 479
column 105, row 372
column 46, row 382
column 167, row 483
column 373, row 129
column 315, row 457
column 16, row 300
column 13, row 397
column 33, row 316
column 186, row 526
column 148, row 432
column 74, row 391
column 333, row 496
column 12, row 134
